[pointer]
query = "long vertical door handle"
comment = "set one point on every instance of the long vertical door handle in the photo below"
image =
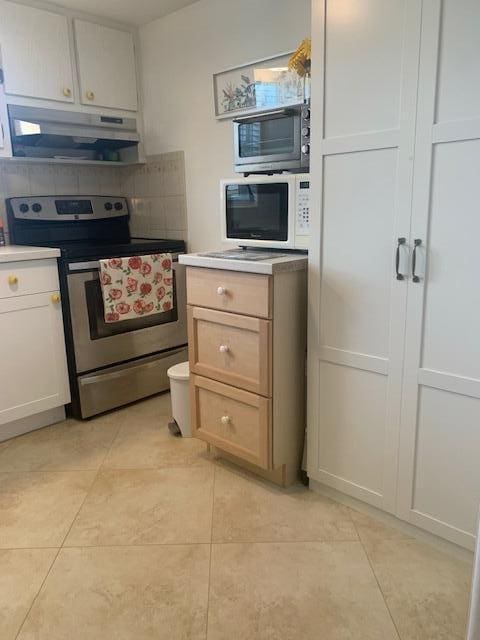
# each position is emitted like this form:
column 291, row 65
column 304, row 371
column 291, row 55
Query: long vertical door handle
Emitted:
column 416, row 243
column 400, row 242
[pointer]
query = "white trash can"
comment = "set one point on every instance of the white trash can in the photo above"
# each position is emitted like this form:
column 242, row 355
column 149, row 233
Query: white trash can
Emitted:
column 179, row 376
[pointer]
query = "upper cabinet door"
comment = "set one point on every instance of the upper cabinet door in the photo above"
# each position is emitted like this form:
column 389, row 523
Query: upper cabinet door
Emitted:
column 106, row 61
column 35, row 52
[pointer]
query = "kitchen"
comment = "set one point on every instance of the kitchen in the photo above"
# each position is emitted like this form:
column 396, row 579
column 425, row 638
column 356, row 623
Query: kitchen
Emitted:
column 115, row 515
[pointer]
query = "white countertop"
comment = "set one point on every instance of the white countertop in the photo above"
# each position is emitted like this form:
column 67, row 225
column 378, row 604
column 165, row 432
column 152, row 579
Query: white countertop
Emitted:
column 15, row 253
column 269, row 266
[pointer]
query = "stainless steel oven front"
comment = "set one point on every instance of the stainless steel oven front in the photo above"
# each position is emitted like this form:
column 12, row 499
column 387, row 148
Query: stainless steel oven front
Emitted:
column 120, row 362
column 98, row 344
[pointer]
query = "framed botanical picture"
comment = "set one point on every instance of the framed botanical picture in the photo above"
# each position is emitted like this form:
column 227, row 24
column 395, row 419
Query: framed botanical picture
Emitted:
column 263, row 84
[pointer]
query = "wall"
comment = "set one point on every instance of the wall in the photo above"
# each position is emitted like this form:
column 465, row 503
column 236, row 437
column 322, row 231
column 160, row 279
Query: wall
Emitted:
column 179, row 54
column 156, row 189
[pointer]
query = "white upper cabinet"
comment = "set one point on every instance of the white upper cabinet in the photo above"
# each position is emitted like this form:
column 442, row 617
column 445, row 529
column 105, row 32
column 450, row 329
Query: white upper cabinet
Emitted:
column 106, row 66
column 36, row 53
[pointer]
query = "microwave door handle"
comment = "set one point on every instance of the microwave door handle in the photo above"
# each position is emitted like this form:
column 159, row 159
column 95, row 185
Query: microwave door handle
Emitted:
column 265, row 115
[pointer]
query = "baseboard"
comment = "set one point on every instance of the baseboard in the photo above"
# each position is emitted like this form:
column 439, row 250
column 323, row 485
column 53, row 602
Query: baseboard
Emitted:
column 31, row 423
column 405, row 527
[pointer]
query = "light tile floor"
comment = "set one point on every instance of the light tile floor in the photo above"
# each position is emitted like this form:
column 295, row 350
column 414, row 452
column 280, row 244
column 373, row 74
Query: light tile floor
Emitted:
column 113, row 529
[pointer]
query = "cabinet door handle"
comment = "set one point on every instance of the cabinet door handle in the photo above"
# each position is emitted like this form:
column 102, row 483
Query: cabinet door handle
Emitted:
column 416, row 243
column 67, row 92
column 400, row 242
column 224, row 348
column 90, row 95
column 226, row 420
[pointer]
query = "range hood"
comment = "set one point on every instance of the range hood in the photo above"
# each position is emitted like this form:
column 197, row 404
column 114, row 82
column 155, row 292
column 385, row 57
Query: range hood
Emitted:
column 50, row 133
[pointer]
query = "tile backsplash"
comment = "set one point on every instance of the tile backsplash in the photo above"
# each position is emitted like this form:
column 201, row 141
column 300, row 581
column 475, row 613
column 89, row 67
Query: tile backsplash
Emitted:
column 156, row 190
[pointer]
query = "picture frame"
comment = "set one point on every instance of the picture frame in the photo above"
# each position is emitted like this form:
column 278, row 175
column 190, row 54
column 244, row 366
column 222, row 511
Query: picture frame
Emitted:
column 259, row 85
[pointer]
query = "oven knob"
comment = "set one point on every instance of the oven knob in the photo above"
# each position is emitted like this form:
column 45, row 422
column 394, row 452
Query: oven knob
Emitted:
column 108, row 206
column 306, row 113
column 118, row 206
column 305, row 148
column 306, row 132
column 24, row 207
column 37, row 207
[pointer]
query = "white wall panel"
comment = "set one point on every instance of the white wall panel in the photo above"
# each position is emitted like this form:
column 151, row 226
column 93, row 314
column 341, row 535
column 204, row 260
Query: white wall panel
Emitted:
column 364, row 41
column 353, row 425
column 358, row 241
column 458, row 73
column 447, row 470
column 451, row 341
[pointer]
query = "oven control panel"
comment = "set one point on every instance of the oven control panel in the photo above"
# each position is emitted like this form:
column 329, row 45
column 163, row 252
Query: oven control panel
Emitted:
column 68, row 207
column 302, row 226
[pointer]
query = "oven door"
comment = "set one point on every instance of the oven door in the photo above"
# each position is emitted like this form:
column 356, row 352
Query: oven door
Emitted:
column 99, row 344
column 268, row 140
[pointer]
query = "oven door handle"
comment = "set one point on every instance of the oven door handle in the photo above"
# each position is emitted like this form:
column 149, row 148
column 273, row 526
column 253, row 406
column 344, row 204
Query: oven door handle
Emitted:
column 82, row 266
column 94, row 265
column 265, row 115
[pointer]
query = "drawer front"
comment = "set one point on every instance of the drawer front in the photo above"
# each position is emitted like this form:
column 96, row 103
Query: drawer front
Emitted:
column 28, row 277
column 236, row 421
column 247, row 293
column 231, row 348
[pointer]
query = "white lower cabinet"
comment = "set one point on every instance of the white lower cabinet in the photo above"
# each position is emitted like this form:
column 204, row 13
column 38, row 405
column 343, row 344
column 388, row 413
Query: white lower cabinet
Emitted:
column 394, row 350
column 33, row 369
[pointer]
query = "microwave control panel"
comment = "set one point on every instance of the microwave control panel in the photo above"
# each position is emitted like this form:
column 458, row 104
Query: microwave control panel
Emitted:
column 303, row 208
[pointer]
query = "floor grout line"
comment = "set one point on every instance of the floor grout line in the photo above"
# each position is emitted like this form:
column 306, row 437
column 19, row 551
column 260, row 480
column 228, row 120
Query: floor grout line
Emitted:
column 377, row 581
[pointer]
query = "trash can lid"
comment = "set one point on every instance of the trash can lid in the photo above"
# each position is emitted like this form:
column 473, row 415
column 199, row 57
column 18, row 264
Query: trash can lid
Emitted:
column 180, row 371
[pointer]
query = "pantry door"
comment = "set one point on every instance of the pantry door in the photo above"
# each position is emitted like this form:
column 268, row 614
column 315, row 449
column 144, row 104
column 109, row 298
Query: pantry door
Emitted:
column 439, row 473
column 364, row 86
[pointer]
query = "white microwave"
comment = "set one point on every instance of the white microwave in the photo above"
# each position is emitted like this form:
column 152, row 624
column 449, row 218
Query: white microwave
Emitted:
column 267, row 211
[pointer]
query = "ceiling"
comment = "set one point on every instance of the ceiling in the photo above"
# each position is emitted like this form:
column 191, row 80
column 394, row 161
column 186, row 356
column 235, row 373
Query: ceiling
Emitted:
column 137, row 12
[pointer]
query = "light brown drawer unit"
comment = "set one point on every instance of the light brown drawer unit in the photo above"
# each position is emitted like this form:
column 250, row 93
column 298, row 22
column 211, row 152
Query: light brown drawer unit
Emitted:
column 247, row 347
column 28, row 277
column 237, row 421
column 246, row 293
column 231, row 348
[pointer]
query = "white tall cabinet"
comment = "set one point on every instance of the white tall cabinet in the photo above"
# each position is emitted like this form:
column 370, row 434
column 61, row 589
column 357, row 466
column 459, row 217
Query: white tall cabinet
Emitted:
column 394, row 361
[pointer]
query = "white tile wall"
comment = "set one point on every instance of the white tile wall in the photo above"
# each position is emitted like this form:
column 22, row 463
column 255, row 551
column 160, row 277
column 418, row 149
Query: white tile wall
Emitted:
column 156, row 190
column 158, row 196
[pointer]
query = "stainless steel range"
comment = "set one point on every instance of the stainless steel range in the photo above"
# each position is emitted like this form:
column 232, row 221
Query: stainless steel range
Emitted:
column 110, row 364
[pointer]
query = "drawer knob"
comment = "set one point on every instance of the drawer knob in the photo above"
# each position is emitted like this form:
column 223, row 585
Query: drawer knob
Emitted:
column 221, row 291
column 55, row 298
column 12, row 280
column 226, row 420
column 67, row 92
column 224, row 348
column 90, row 95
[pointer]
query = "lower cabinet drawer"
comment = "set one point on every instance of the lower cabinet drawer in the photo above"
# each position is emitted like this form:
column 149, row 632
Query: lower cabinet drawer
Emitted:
column 28, row 277
column 231, row 348
column 236, row 421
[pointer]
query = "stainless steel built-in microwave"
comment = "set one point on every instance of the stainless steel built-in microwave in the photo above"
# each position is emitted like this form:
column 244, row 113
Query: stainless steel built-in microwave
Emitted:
column 267, row 211
column 270, row 141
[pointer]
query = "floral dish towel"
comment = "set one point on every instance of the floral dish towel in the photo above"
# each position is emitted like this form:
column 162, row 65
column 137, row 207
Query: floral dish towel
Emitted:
column 136, row 286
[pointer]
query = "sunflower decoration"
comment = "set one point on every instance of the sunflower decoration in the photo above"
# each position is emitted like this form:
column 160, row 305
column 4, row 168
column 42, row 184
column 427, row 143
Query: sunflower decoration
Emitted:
column 302, row 58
